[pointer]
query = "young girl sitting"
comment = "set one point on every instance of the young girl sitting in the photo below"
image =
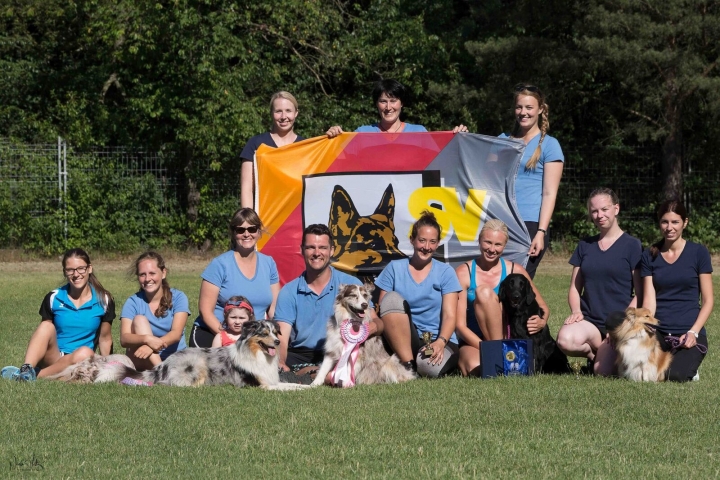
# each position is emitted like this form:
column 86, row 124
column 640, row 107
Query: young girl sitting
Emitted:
column 237, row 311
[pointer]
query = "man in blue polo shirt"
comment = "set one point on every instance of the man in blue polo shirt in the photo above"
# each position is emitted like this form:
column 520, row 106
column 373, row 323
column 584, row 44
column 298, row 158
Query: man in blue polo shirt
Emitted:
column 305, row 304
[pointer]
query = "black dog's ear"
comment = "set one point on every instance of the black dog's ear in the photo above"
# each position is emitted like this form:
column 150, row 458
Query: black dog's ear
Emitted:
column 503, row 289
column 530, row 297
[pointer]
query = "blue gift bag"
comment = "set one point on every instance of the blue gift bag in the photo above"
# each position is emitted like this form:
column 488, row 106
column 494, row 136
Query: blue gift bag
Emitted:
column 506, row 357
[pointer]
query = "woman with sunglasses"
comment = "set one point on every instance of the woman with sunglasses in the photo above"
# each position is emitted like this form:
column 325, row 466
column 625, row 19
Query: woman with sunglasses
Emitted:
column 76, row 319
column 541, row 167
column 284, row 111
column 240, row 271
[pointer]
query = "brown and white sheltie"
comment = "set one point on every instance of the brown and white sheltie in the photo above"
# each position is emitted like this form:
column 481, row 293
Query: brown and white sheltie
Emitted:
column 639, row 355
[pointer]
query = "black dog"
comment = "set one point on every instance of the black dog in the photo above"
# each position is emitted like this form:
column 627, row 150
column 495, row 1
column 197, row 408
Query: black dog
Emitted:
column 519, row 304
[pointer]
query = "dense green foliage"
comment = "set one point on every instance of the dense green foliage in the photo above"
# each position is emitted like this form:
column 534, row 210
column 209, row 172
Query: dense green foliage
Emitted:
column 192, row 79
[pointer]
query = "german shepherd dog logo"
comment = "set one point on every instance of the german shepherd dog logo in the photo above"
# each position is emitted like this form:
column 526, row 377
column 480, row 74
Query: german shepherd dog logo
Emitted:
column 363, row 245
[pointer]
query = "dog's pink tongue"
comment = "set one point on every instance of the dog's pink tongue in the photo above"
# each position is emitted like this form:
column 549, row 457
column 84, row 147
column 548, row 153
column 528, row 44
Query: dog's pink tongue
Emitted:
column 271, row 351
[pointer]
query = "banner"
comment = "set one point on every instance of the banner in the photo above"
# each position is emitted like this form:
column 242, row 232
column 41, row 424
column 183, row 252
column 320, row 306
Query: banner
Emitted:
column 369, row 188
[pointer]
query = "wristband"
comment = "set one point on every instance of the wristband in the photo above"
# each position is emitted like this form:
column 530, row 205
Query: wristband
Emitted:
column 694, row 333
column 443, row 339
column 542, row 230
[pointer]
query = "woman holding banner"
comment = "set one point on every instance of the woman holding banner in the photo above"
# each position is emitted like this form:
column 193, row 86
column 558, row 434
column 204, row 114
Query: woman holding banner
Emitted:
column 284, row 111
column 538, row 178
column 240, row 271
column 389, row 96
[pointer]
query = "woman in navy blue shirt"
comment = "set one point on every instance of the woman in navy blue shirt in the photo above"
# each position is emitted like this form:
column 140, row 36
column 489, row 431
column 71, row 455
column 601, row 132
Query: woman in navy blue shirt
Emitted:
column 676, row 274
column 605, row 275
column 284, row 111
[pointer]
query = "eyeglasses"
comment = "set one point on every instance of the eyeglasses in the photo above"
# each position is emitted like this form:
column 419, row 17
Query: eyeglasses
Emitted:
column 530, row 88
column 79, row 270
column 241, row 230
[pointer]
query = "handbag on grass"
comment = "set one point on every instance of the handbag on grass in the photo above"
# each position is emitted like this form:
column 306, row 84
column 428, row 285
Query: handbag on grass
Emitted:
column 506, row 357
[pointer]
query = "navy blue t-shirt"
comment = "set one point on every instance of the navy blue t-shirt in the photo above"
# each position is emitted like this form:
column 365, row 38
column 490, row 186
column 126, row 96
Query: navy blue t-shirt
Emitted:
column 248, row 153
column 607, row 275
column 677, row 286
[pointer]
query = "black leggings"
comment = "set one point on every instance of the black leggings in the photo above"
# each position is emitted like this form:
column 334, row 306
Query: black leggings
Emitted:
column 533, row 262
column 201, row 337
column 686, row 361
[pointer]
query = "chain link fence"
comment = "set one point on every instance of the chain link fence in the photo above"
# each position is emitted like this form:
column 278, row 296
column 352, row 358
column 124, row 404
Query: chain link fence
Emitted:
column 118, row 198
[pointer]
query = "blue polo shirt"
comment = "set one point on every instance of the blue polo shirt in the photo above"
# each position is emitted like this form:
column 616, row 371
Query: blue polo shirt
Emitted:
column 306, row 311
column 76, row 327
column 138, row 305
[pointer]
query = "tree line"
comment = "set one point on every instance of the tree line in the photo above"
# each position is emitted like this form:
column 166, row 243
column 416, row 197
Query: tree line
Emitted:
column 192, row 78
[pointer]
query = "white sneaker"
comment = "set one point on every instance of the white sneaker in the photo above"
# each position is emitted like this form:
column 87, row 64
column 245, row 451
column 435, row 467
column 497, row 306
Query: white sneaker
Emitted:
column 696, row 377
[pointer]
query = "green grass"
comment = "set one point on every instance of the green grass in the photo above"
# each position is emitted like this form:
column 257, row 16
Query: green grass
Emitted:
column 537, row 427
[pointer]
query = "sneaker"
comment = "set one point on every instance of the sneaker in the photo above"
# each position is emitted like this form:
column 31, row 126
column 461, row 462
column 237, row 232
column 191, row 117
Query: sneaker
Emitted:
column 696, row 378
column 26, row 374
column 10, row 372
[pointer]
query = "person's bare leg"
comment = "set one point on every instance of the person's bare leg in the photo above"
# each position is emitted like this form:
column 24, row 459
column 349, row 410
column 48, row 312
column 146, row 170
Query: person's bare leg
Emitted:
column 141, row 326
column 488, row 312
column 397, row 334
column 469, row 361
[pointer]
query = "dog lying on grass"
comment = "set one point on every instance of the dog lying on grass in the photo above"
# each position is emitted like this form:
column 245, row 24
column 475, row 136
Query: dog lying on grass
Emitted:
column 354, row 358
column 251, row 361
column 639, row 355
column 519, row 304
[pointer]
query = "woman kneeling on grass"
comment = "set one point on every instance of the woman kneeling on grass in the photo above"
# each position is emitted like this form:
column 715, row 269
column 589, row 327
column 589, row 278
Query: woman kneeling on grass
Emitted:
column 479, row 311
column 76, row 318
column 606, row 271
column 421, row 294
column 676, row 274
column 153, row 320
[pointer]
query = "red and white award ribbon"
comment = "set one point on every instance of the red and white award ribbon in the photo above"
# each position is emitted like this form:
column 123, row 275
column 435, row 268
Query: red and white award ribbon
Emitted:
column 343, row 375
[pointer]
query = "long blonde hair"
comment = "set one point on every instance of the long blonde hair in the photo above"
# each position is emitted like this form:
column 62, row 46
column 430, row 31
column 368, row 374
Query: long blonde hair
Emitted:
column 543, row 120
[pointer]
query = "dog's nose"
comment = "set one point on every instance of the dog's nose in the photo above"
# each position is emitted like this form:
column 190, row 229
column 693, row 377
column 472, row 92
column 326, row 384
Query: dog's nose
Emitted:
column 364, row 306
column 277, row 342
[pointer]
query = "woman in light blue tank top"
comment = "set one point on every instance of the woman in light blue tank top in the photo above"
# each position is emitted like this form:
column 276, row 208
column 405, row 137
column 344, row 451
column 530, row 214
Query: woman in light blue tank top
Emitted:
column 479, row 314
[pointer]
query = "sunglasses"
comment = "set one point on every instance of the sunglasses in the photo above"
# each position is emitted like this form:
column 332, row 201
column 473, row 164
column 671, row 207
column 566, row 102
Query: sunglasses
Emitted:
column 520, row 87
column 79, row 270
column 241, row 230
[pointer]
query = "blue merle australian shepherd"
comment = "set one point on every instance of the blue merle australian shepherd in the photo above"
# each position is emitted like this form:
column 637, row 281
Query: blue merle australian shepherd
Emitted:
column 251, row 361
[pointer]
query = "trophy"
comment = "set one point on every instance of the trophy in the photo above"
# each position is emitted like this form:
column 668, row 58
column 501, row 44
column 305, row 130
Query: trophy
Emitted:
column 576, row 367
column 427, row 349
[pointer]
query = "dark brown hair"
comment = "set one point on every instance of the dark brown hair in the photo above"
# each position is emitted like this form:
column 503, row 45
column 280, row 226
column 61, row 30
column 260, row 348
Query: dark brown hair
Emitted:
column 103, row 295
column 241, row 216
column 427, row 219
column 668, row 206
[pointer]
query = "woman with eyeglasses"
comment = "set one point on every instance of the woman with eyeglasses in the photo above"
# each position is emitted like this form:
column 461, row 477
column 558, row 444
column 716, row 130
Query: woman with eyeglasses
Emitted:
column 76, row 319
column 152, row 321
column 240, row 271
column 538, row 178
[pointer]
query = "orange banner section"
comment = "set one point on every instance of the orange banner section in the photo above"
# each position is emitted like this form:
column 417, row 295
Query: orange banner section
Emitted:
column 280, row 172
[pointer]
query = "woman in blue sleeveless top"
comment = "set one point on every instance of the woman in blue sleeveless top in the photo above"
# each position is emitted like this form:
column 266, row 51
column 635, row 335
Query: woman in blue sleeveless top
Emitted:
column 479, row 314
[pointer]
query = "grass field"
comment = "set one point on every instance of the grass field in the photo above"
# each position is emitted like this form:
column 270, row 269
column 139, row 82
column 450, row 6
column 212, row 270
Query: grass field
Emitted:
column 534, row 427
